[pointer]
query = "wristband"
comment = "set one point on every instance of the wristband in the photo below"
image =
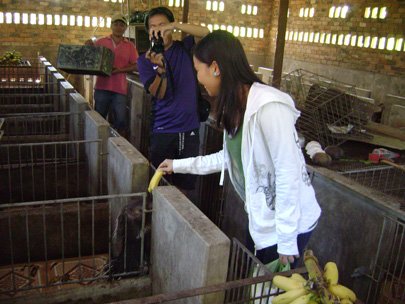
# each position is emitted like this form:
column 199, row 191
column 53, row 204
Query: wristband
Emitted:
column 162, row 75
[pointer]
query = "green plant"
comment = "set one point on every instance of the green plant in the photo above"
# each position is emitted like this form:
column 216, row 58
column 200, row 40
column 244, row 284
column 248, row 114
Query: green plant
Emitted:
column 11, row 58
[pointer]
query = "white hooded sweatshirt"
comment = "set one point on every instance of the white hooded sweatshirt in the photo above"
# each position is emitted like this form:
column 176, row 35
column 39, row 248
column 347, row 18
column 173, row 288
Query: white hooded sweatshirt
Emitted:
column 280, row 200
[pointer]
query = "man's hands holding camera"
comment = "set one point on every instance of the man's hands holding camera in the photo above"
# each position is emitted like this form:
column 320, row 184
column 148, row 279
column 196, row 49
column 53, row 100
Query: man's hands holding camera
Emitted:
column 155, row 53
column 159, row 37
column 157, row 44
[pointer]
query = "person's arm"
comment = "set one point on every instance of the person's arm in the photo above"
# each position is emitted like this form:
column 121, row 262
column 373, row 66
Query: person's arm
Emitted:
column 159, row 84
column 201, row 165
column 197, row 31
column 126, row 69
column 277, row 125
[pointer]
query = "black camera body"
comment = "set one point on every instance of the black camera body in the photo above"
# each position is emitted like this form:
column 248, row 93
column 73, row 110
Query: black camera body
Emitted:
column 157, row 43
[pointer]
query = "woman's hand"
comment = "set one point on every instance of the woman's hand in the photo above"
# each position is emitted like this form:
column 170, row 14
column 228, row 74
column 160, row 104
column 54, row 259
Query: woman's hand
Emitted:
column 166, row 166
column 284, row 259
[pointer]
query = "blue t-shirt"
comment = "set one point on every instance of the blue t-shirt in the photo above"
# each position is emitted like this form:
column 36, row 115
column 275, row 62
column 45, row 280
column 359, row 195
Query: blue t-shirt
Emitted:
column 177, row 111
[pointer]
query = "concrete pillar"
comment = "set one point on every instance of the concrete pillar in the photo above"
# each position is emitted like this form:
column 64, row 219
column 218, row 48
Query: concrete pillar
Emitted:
column 96, row 127
column 44, row 65
column 65, row 88
column 77, row 103
column 128, row 170
column 188, row 250
column 137, row 106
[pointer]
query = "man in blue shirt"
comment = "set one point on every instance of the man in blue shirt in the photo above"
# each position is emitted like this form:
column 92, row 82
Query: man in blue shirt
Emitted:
column 170, row 78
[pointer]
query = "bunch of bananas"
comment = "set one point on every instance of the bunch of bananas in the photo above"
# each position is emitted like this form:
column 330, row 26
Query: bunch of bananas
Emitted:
column 331, row 276
column 11, row 58
column 315, row 290
column 297, row 290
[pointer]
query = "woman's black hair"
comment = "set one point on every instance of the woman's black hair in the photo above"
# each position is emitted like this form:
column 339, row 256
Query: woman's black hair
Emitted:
column 227, row 51
column 160, row 10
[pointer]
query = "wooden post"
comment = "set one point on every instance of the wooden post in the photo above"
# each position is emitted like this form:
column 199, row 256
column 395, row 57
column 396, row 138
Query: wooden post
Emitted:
column 184, row 18
column 279, row 54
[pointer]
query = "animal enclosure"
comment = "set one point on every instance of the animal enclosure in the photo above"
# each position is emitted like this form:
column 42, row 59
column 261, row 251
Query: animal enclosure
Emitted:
column 43, row 171
column 41, row 127
column 66, row 243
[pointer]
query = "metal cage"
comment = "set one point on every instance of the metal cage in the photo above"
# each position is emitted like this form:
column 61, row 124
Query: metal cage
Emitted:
column 388, row 274
column 249, row 281
column 71, row 242
column 331, row 112
column 385, row 179
column 42, row 127
column 53, row 170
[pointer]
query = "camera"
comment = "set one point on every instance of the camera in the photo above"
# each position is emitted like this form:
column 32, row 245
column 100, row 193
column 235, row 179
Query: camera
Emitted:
column 157, row 43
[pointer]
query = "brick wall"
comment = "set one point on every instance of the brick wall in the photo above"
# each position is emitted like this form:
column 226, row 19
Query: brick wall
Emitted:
column 31, row 39
column 45, row 39
column 255, row 48
column 350, row 57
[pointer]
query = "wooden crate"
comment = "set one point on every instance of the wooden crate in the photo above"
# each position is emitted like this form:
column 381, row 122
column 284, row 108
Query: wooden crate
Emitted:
column 85, row 59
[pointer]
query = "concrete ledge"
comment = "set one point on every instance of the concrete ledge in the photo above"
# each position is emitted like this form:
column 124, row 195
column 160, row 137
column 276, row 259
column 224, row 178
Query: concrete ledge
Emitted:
column 188, row 250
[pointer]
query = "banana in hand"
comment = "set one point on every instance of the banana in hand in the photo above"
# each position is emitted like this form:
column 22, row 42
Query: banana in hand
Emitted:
column 154, row 182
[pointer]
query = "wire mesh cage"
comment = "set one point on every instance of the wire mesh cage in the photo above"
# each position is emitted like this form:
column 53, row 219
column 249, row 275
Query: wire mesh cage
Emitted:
column 331, row 113
column 388, row 274
column 72, row 242
column 385, row 179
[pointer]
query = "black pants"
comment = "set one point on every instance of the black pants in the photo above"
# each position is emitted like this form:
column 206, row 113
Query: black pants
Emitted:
column 175, row 146
column 269, row 254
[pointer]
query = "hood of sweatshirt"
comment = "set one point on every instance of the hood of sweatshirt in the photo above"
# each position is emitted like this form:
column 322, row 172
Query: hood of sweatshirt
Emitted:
column 261, row 94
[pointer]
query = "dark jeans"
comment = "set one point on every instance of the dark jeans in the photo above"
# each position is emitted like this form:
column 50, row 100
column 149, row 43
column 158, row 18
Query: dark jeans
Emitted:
column 174, row 146
column 269, row 254
column 106, row 100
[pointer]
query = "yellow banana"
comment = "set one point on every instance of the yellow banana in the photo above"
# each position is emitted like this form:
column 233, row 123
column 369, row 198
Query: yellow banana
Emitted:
column 346, row 301
column 289, row 296
column 298, row 277
column 302, row 299
column 155, row 180
column 331, row 273
column 342, row 292
column 286, row 284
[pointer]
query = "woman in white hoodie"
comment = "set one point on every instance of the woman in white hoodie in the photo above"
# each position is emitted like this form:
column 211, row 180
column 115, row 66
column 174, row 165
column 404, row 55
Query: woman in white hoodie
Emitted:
column 260, row 150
